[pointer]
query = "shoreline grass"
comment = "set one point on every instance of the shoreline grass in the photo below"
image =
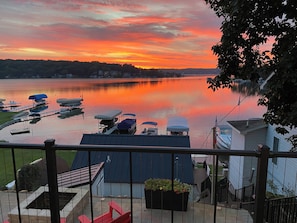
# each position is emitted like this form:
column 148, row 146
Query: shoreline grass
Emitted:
column 22, row 156
column 6, row 116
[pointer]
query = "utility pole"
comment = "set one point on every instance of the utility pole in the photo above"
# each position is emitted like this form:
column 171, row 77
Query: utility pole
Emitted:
column 212, row 195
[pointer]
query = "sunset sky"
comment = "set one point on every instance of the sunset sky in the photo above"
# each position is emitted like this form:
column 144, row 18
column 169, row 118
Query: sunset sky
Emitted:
column 145, row 33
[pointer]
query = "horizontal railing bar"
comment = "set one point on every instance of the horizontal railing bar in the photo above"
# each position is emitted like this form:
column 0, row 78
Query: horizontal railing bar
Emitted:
column 150, row 149
column 145, row 149
column 283, row 154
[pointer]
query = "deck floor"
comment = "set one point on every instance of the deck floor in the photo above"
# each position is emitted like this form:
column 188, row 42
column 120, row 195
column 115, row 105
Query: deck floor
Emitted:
column 200, row 212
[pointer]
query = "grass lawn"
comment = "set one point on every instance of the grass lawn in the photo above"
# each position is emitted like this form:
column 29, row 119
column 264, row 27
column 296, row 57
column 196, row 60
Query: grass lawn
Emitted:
column 23, row 157
column 6, row 116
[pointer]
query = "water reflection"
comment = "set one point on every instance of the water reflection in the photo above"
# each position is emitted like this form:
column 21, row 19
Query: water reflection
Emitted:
column 246, row 88
column 150, row 99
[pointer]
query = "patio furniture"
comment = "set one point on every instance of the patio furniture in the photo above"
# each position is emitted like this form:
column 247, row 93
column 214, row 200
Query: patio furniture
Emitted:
column 124, row 217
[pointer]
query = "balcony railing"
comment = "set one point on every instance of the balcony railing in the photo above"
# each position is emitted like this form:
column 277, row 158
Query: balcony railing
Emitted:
column 262, row 154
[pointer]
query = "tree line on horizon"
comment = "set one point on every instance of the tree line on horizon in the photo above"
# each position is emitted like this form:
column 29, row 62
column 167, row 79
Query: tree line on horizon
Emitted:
column 10, row 69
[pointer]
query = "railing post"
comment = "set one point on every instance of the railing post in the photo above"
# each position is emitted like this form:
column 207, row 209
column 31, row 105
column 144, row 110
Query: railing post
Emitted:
column 51, row 166
column 261, row 183
column 131, row 185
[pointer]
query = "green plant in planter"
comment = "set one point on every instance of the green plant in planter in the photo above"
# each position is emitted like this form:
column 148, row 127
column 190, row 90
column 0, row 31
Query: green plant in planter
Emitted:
column 166, row 185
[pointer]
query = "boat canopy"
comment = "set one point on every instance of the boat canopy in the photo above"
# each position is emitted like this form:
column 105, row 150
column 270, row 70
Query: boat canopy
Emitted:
column 37, row 97
column 108, row 115
column 2, row 99
column 149, row 123
column 177, row 124
column 130, row 114
column 69, row 100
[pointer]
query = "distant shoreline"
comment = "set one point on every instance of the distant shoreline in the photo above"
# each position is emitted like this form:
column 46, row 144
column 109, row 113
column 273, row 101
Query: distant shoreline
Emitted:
column 31, row 69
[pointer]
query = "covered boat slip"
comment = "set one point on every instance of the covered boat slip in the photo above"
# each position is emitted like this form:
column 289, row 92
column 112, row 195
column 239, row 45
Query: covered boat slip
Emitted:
column 108, row 115
column 69, row 102
column 37, row 97
column 107, row 121
column 177, row 126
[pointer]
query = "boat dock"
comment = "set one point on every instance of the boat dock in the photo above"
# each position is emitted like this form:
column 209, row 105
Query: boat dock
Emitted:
column 29, row 118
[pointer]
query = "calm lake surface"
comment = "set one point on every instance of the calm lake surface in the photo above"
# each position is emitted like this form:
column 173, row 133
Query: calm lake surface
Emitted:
column 150, row 99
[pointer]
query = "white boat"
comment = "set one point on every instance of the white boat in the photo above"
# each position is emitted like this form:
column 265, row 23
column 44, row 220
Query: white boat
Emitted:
column 150, row 128
column 127, row 125
column 11, row 104
column 34, row 114
column 19, row 131
column 69, row 102
column 223, row 137
column 177, row 126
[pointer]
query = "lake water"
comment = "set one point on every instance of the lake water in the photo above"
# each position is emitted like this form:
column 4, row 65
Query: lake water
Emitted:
column 150, row 99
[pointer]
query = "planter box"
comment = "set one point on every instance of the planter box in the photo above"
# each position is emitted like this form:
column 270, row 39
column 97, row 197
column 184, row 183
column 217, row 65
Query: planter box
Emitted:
column 167, row 200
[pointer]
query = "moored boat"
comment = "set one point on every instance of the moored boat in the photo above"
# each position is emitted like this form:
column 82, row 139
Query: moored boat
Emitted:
column 19, row 131
column 69, row 102
column 34, row 114
column 150, row 128
column 223, row 137
column 108, row 121
column 11, row 104
column 39, row 99
column 127, row 125
column 177, row 126
column 69, row 112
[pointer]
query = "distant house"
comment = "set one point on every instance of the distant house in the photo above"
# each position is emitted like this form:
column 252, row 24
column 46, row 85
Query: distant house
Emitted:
column 246, row 135
column 115, row 180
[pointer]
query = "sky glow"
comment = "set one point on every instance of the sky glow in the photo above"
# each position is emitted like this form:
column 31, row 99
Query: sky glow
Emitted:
column 147, row 34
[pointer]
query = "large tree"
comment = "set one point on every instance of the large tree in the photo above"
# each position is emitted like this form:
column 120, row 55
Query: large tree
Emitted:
column 259, row 39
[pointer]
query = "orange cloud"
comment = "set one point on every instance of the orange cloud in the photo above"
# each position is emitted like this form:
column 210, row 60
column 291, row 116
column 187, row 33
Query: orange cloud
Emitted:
column 156, row 34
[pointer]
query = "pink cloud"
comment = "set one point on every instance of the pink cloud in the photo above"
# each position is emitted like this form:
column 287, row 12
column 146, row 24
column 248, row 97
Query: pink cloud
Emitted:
column 148, row 34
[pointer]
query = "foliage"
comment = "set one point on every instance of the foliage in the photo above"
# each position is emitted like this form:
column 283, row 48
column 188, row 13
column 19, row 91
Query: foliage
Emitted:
column 28, row 177
column 166, row 185
column 259, row 38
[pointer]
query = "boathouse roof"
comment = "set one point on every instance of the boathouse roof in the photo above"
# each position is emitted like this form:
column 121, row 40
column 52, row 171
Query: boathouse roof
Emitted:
column 247, row 126
column 144, row 165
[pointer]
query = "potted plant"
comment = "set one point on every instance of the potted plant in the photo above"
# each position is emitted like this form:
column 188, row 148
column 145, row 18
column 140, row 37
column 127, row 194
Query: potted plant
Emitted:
column 159, row 194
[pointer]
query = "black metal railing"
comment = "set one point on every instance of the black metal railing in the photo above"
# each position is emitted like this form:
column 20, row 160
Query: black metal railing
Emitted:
column 281, row 210
column 244, row 194
column 262, row 153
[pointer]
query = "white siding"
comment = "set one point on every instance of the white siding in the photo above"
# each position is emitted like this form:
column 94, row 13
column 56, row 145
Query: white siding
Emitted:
column 282, row 175
column 236, row 162
column 236, row 171
column 241, row 168
column 98, row 184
